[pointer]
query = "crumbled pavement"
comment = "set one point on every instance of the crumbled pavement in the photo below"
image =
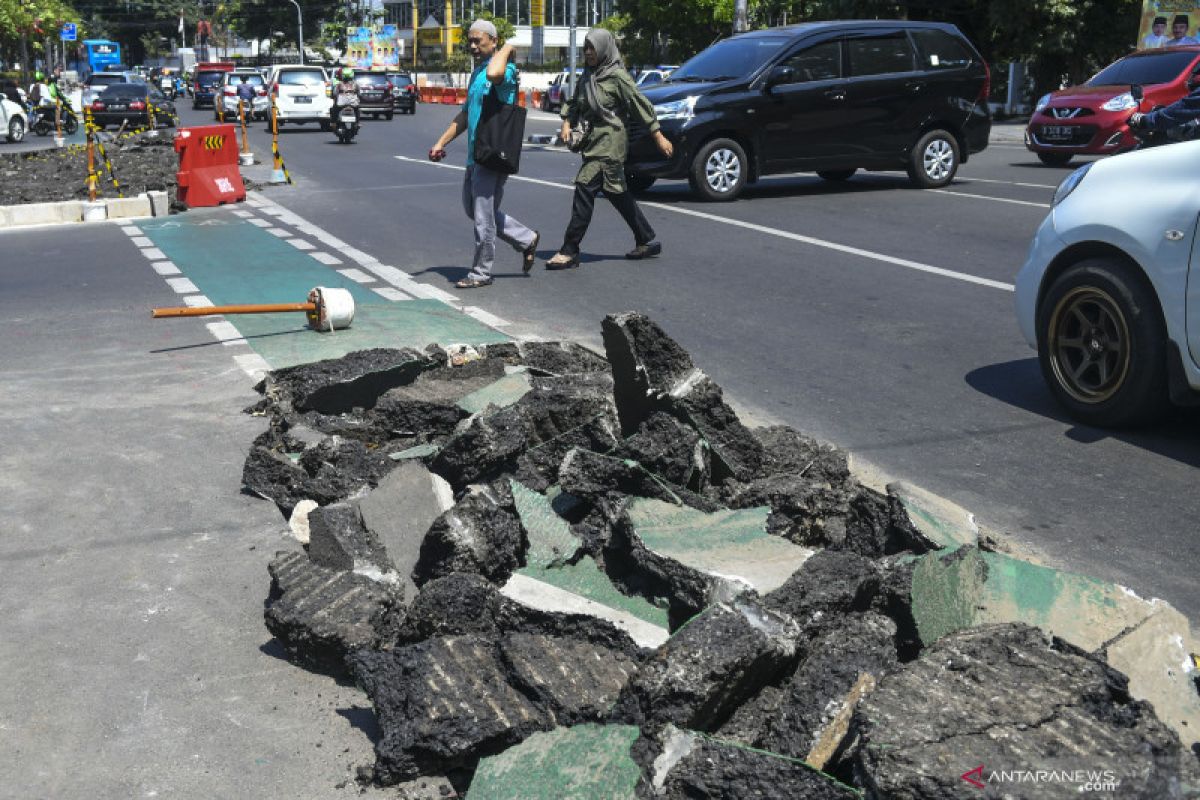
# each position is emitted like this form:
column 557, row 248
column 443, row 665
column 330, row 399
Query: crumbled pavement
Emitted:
column 561, row 574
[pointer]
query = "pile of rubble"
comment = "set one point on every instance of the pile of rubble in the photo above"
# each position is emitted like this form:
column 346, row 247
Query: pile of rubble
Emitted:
column 562, row 575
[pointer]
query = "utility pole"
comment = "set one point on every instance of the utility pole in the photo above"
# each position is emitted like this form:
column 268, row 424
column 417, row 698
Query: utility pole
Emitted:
column 571, row 47
column 740, row 23
column 300, row 21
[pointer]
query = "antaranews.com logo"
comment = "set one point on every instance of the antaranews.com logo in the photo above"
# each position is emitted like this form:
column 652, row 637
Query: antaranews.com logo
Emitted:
column 1085, row 780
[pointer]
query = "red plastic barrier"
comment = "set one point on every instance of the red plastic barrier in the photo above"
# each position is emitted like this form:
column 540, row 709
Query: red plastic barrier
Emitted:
column 449, row 96
column 521, row 99
column 427, row 95
column 537, row 99
column 208, row 166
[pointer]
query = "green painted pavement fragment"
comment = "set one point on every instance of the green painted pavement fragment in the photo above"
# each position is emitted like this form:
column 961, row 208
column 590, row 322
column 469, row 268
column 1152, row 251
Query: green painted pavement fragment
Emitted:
column 419, row 451
column 236, row 263
column 725, row 544
column 586, row 761
column 504, row 392
column 971, row 587
column 945, row 524
column 551, row 541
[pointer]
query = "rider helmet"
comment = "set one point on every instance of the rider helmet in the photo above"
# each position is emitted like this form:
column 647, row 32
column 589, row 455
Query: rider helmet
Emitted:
column 39, row 76
column 347, row 74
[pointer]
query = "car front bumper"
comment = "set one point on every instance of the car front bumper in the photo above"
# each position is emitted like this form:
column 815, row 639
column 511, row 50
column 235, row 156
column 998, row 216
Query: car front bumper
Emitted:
column 1096, row 134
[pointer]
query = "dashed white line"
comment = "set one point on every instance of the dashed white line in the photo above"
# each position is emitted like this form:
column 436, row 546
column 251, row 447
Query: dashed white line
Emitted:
column 391, row 294
column 988, row 197
column 141, row 241
column 226, row 332
column 154, row 254
column 326, row 258
column 782, row 234
column 182, row 285
column 485, row 317
column 357, row 275
column 253, row 365
column 301, row 244
column 131, row 230
column 360, row 256
column 198, row 301
column 262, row 223
column 124, row 223
column 282, row 234
column 165, row 267
column 243, row 214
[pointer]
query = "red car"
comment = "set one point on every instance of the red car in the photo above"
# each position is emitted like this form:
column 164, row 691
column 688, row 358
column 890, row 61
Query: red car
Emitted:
column 1091, row 119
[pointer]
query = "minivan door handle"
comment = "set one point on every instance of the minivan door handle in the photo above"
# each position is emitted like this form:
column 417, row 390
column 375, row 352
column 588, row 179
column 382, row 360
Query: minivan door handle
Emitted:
column 836, row 94
column 914, row 87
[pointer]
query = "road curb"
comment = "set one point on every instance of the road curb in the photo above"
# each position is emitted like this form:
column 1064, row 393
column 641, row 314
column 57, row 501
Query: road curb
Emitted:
column 146, row 204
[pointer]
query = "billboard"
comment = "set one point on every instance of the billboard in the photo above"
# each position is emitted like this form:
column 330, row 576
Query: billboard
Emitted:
column 385, row 47
column 358, row 48
column 1166, row 23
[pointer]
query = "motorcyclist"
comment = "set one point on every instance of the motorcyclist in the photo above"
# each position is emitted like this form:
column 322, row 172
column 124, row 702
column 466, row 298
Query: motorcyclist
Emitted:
column 1184, row 112
column 245, row 93
column 39, row 91
column 345, row 94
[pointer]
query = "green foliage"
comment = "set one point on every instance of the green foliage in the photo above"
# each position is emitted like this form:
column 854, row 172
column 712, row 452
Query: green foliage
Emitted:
column 504, row 28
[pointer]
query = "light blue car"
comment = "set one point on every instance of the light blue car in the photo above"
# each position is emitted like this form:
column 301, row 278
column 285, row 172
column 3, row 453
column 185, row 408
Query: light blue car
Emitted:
column 1110, row 292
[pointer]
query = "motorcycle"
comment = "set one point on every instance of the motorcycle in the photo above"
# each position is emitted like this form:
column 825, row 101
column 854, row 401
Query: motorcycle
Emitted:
column 1149, row 138
column 166, row 85
column 41, row 120
column 347, row 124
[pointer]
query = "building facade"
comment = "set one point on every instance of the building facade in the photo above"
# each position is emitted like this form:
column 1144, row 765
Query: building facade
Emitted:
column 542, row 26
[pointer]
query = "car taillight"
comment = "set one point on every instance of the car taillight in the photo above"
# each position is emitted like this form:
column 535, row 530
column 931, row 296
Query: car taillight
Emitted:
column 261, row 92
column 389, row 86
column 137, row 105
column 97, row 105
column 230, row 91
column 986, row 92
column 275, row 89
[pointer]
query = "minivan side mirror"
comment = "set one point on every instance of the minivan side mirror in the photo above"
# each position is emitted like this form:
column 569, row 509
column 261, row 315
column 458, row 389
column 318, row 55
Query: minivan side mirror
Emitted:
column 779, row 74
column 1136, row 91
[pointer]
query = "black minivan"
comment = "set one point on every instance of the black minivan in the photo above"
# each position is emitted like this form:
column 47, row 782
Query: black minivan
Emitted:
column 824, row 97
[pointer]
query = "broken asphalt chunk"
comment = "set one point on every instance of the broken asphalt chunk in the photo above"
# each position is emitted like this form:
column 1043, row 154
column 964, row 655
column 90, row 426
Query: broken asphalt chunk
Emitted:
column 338, row 385
column 479, row 534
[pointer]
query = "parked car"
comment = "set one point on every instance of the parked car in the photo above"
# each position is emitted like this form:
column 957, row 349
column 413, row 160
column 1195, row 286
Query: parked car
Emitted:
column 132, row 103
column 97, row 81
column 374, row 94
column 205, row 80
column 1091, row 119
column 653, row 75
column 824, row 97
column 301, row 94
column 553, row 97
column 226, row 104
column 1109, row 294
column 404, row 92
column 13, row 120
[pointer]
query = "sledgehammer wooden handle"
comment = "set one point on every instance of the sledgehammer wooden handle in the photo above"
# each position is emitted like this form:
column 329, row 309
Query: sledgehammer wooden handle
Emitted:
column 204, row 311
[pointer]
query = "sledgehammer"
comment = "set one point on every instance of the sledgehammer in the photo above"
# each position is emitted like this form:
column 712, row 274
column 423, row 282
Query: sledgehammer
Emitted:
column 327, row 309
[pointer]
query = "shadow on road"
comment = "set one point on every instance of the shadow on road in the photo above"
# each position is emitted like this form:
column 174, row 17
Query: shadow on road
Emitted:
column 797, row 186
column 1020, row 384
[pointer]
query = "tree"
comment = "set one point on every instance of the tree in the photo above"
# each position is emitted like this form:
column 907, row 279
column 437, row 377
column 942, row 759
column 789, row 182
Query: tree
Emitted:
column 504, row 28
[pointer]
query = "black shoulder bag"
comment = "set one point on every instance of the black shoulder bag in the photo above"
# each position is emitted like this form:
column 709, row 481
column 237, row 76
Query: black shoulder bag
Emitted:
column 500, row 134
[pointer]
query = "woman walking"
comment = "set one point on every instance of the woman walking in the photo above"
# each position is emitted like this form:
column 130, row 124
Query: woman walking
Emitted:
column 483, row 188
column 605, row 97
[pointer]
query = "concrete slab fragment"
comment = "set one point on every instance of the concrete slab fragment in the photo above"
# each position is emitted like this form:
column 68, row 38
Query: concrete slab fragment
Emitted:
column 583, row 761
column 731, row 548
column 504, row 392
column 419, row 451
column 970, row 587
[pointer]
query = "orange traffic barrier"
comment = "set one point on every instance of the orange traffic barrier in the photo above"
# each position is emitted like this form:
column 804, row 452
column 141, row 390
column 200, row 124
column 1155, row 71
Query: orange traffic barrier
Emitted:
column 208, row 166
column 449, row 96
column 537, row 99
column 521, row 99
column 460, row 96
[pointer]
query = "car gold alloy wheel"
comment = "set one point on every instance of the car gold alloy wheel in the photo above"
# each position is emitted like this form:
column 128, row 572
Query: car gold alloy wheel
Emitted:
column 939, row 160
column 1089, row 345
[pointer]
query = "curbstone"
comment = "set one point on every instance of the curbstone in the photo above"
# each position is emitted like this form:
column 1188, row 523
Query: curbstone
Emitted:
column 160, row 204
column 45, row 213
column 122, row 207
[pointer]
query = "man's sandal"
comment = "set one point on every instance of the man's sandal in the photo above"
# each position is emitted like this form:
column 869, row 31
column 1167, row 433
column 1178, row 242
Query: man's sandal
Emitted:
column 529, row 254
column 473, row 283
column 563, row 261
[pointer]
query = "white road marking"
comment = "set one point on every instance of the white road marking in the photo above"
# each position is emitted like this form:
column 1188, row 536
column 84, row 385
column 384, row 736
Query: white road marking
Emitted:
column 124, row 223
column 795, row 237
column 357, row 275
column 280, row 232
column 141, row 241
column 153, row 253
column 226, row 332
column 262, row 223
column 182, row 285
column 391, row 294
column 1010, row 183
column 253, row 365
column 165, row 267
column 988, row 197
column 359, row 256
column 485, row 317
column 131, row 230
column 198, row 301
column 243, row 214
column 301, row 244
column 326, row 258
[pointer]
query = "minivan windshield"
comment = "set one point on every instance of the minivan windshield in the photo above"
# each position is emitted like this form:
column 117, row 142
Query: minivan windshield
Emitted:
column 1149, row 69
column 732, row 58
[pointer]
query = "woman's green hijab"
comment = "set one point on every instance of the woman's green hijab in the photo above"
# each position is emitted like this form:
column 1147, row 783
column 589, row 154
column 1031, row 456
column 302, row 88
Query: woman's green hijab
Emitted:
column 608, row 61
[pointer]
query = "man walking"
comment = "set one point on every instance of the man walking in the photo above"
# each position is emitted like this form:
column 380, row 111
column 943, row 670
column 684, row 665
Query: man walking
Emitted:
column 483, row 188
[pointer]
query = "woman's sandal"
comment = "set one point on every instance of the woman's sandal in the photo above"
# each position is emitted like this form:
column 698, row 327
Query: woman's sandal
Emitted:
column 529, row 254
column 563, row 261
column 473, row 283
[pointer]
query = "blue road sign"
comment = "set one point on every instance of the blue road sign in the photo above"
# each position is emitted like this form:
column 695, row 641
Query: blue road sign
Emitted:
column 68, row 32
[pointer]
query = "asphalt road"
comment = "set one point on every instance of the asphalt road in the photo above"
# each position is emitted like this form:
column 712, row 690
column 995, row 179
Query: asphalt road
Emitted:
column 868, row 314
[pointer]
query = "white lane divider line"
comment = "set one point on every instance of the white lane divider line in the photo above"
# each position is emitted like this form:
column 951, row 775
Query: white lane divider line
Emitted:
column 253, row 365
column 282, row 234
column 301, row 244
column 165, row 267
column 226, row 333
column 131, row 230
column 198, row 301
column 485, row 317
column 262, row 223
column 782, row 234
column 327, row 259
column 987, row 197
column 391, row 294
column 141, row 241
column 182, row 285
column 359, row 256
column 357, row 275
column 154, row 254
column 1008, row 183
column 402, row 280
column 242, row 213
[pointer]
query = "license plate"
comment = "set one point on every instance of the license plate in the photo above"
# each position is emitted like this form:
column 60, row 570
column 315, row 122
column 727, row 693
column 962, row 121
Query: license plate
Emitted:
column 117, row 107
column 302, row 99
column 1057, row 131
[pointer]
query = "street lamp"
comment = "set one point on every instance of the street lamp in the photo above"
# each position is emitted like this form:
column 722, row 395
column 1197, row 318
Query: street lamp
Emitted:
column 300, row 17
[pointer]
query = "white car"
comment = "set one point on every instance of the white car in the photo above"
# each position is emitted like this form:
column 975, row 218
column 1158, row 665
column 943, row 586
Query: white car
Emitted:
column 301, row 94
column 225, row 104
column 13, row 120
column 1105, row 296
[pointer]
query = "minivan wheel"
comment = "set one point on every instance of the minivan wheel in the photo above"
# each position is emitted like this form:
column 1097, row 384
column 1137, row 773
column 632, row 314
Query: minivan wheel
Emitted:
column 1102, row 344
column 16, row 130
column 933, row 161
column 720, row 170
column 1054, row 159
column 836, row 174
